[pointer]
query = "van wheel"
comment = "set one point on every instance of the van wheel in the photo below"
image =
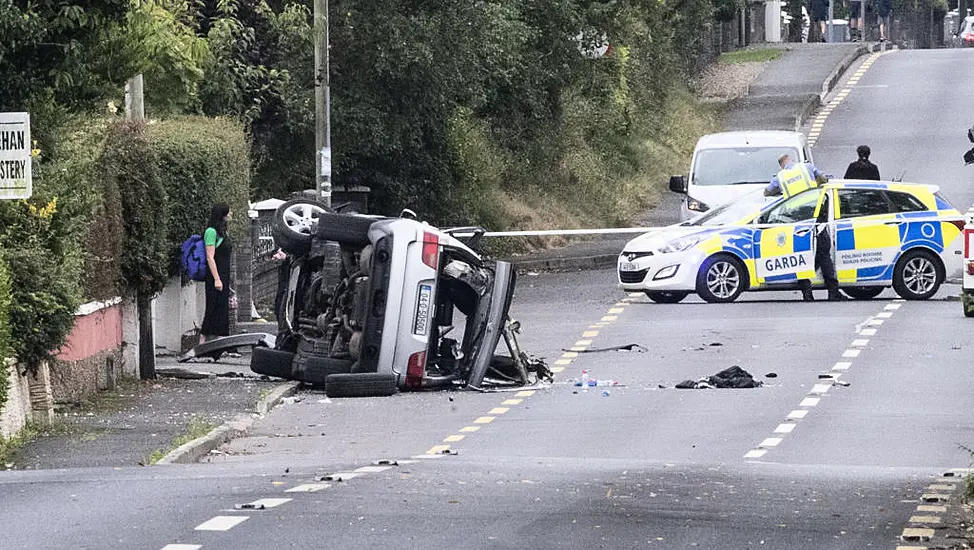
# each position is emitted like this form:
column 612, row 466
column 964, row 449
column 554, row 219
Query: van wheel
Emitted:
column 369, row 384
column 666, row 296
column 721, row 279
column 917, row 275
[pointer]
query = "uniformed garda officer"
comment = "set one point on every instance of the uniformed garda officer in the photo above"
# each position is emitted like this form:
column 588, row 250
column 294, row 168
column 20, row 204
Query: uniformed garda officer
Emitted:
column 794, row 178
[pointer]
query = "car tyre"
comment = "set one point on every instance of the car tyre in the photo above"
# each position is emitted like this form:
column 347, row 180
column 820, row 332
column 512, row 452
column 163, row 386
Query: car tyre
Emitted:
column 369, row 384
column 347, row 229
column 271, row 362
column 666, row 296
column 316, row 370
column 863, row 292
column 294, row 222
column 721, row 279
column 918, row 275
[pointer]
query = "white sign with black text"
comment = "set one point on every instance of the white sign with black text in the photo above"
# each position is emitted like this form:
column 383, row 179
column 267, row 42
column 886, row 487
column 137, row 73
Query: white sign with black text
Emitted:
column 15, row 148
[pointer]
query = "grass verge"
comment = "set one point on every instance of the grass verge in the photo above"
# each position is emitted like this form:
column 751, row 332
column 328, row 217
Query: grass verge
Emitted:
column 197, row 427
column 750, row 56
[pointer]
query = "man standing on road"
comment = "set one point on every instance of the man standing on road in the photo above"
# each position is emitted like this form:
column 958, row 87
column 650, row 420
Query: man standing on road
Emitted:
column 862, row 169
column 820, row 13
column 794, row 178
column 823, row 257
column 855, row 34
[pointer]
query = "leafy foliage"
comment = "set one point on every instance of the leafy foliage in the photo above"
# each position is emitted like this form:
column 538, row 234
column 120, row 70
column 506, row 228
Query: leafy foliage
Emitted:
column 128, row 164
column 200, row 162
column 4, row 328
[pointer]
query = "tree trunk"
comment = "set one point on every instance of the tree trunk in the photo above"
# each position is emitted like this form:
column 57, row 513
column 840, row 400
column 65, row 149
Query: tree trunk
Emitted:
column 147, row 345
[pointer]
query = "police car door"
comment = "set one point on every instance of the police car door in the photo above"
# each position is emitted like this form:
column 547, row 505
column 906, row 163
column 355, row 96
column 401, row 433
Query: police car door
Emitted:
column 784, row 245
column 867, row 235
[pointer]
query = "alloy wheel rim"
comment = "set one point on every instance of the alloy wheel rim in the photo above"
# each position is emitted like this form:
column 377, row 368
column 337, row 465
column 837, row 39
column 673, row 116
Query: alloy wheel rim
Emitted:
column 919, row 275
column 723, row 279
column 301, row 217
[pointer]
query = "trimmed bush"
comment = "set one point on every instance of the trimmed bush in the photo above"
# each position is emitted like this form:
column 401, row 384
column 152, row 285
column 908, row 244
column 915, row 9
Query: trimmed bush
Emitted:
column 199, row 162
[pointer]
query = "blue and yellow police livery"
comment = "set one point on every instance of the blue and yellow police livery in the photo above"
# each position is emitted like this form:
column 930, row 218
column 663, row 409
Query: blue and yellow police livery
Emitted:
column 884, row 234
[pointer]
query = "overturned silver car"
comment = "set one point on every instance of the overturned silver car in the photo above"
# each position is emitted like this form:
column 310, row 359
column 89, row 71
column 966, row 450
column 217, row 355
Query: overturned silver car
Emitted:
column 370, row 305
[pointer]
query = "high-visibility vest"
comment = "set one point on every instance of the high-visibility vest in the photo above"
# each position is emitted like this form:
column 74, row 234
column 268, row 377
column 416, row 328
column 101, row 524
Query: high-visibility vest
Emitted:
column 794, row 180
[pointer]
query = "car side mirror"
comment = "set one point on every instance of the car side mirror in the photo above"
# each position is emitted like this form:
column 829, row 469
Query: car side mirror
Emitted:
column 678, row 184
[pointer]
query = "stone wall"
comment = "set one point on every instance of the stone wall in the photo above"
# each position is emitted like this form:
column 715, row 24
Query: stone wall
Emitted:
column 16, row 411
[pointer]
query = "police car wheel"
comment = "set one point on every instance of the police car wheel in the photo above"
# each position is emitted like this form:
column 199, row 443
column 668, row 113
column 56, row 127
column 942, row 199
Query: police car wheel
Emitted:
column 917, row 275
column 722, row 278
column 863, row 292
column 666, row 296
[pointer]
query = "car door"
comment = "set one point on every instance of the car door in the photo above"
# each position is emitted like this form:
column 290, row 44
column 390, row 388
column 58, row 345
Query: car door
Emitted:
column 784, row 244
column 867, row 236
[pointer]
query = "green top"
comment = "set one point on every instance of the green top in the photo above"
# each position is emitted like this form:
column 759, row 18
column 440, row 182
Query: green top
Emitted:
column 210, row 237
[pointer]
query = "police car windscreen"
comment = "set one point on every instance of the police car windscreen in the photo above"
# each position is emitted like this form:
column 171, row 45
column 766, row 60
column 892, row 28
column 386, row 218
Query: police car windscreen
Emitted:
column 738, row 166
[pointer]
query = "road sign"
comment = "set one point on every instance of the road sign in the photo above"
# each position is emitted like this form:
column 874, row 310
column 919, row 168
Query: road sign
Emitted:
column 15, row 147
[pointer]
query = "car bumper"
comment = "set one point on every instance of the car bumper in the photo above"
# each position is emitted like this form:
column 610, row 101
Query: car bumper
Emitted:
column 677, row 271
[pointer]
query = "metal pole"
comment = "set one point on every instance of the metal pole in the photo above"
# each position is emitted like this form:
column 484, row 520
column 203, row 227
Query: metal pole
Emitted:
column 829, row 27
column 322, row 103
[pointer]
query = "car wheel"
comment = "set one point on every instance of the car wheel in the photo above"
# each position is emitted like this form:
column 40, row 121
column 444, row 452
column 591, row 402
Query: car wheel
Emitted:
column 722, row 278
column 293, row 223
column 863, row 292
column 271, row 362
column 360, row 385
column 347, row 229
column 666, row 296
column 316, row 370
column 917, row 275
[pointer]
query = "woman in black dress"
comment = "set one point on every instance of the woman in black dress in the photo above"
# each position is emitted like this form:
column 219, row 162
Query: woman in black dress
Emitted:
column 216, row 319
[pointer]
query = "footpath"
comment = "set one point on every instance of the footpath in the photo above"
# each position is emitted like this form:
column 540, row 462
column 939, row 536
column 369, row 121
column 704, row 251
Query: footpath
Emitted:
column 143, row 423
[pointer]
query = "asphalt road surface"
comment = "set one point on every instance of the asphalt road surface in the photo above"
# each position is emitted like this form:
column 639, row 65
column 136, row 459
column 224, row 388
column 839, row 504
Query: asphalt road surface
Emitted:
column 805, row 461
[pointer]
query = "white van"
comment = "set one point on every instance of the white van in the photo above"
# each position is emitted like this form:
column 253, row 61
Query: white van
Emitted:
column 730, row 164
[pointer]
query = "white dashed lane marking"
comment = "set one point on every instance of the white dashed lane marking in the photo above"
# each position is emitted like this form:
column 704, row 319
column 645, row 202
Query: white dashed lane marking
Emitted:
column 222, row 523
column 809, row 401
column 308, row 488
column 182, row 547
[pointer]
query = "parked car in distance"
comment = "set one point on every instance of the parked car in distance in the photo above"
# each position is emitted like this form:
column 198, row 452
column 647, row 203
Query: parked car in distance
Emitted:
column 727, row 165
column 369, row 305
column 965, row 35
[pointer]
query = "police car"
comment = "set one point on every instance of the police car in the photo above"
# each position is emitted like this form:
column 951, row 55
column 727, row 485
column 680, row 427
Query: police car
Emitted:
column 885, row 234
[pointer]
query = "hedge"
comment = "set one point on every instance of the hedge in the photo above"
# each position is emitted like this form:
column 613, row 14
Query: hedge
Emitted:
column 201, row 161
column 4, row 328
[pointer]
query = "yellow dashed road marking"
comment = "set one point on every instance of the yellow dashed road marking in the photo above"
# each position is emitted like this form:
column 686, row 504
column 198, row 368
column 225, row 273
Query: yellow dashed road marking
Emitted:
column 589, row 334
column 609, row 318
column 469, row 429
column 584, row 342
column 563, row 362
column 437, row 449
column 930, row 508
column 557, row 370
column 569, row 355
column 524, row 393
column 454, row 438
column 941, row 487
column 512, row 402
column 617, row 309
column 498, row 410
column 484, row 420
column 924, row 519
column 919, row 535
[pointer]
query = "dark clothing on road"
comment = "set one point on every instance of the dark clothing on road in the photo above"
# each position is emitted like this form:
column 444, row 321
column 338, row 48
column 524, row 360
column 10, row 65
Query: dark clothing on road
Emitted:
column 862, row 169
column 216, row 319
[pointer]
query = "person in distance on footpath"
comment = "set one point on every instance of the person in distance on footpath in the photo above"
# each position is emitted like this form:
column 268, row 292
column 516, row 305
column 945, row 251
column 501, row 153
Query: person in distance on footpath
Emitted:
column 862, row 169
column 216, row 318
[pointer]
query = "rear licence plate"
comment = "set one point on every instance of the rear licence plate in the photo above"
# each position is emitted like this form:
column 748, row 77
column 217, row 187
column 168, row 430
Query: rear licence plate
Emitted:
column 423, row 305
column 628, row 266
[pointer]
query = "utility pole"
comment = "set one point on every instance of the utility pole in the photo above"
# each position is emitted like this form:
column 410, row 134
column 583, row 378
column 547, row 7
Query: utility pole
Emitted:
column 322, row 102
column 135, row 112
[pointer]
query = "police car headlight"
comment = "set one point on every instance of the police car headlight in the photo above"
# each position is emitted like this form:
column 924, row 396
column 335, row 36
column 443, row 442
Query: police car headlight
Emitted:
column 696, row 205
column 679, row 245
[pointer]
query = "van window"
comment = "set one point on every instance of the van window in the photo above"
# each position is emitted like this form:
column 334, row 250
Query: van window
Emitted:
column 739, row 165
